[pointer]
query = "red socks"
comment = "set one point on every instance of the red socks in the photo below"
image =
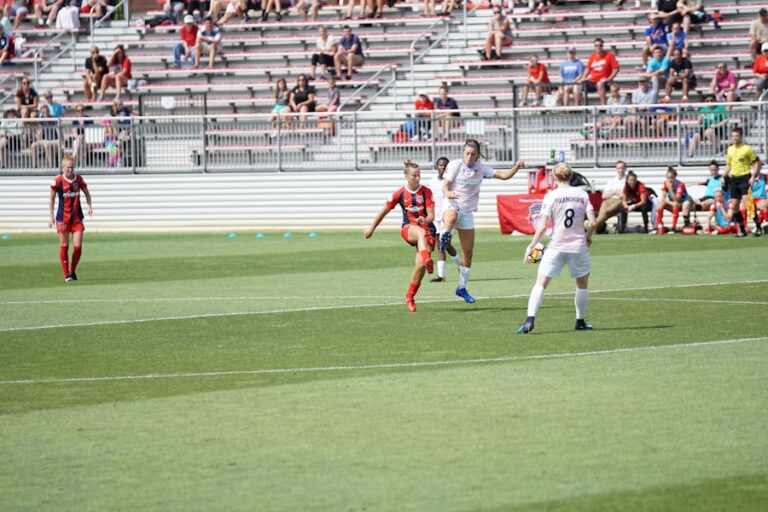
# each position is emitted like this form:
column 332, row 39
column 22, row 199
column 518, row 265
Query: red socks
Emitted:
column 412, row 289
column 659, row 215
column 675, row 215
column 76, row 257
column 64, row 258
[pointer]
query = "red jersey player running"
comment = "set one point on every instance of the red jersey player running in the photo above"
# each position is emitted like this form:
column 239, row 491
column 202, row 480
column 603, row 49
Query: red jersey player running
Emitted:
column 69, row 216
column 417, row 228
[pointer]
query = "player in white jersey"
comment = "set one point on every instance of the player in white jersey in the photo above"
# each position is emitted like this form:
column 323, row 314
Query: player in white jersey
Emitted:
column 461, row 187
column 436, row 186
column 569, row 245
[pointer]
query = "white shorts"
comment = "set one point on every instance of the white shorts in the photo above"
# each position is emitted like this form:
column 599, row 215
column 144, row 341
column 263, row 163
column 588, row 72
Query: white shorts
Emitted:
column 553, row 262
column 438, row 222
column 465, row 220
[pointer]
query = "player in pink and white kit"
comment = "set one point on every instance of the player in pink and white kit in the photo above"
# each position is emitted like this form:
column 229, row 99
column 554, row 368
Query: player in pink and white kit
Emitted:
column 461, row 188
column 567, row 207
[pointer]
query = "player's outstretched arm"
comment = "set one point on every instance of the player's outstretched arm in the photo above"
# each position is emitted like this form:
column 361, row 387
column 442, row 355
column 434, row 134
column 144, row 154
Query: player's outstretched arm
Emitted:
column 537, row 236
column 505, row 175
column 368, row 233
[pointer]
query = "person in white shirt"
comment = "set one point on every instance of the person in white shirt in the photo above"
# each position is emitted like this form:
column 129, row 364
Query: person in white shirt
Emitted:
column 638, row 123
column 568, row 207
column 461, row 188
column 209, row 37
column 68, row 17
column 611, row 204
column 436, row 186
column 326, row 49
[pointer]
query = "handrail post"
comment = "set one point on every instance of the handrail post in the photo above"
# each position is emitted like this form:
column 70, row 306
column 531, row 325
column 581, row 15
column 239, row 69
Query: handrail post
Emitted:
column 35, row 56
column 394, row 90
column 354, row 140
column 133, row 139
column 74, row 50
column 127, row 12
column 204, row 138
column 465, row 23
column 279, row 143
column 434, row 135
column 90, row 25
column 594, row 135
column 679, row 135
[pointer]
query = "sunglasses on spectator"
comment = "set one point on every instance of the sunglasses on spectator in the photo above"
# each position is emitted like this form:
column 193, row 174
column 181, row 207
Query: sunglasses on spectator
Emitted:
column 496, row 12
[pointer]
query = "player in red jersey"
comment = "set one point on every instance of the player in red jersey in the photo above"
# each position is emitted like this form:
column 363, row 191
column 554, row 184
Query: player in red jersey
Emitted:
column 674, row 197
column 417, row 228
column 69, row 216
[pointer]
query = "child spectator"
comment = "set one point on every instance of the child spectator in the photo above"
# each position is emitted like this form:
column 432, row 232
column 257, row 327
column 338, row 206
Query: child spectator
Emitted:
column 423, row 107
column 538, row 79
column 655, row 35
column 499, row 34
column 188, row 35
column 674, row 198
column 349, row 51
column 570, row 71
column 615, row 113
column 333, row 98
column 55, row 109
column 326, row 49
column 677, row 38
column 642, row 98
column 713, row 125
column 719, row 221
column 681, row 75
column 635, row 197
column 16, row 9
column 760, row 70
column 724, row 84
column 282, row 105
column 210, row 38
column 600, row 71
column 445, row 109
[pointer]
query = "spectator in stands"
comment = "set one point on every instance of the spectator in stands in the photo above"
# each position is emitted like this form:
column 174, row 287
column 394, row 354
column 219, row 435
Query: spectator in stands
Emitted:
column 119, row 66
column 655, row 35
column 68, row 17
column 642, row 97
column 230, row 8
column 429, row 8
column 499, row 34
column 612, row 197
column 760, row 70
column 11, row 139
column 423, row 107
column 95, row 70
column 349, row 52
column 333, row 98
column 188, row 35
column 713, row 182
column 724, row 84
column 209, row 38
column 315, row 6
column 120, row 111
column 326, row 49
column 445, row 111
column 174, row 9
column 615, row 113
column 364, row 5
column 16, row 9
column 712, row 126
column 669, row 12
column 282, row 106
column 5, row 47
column 570, row 71
column 303, row 98
column 447, row 7
column 676, row 39
column 658, row 69
column 691, row 12
column 635, row 197
column 49, row 7
column 663, row 115
column 55, row 109
column 681, row 74
column 27, row 99
column 96, row 8
column 78, row 133
column 45, row 138
column 758, row 33
column 601, row 69
column 538, row 80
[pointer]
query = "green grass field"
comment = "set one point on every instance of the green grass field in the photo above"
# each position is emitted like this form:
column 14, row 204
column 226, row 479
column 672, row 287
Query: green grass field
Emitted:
column 196, row 372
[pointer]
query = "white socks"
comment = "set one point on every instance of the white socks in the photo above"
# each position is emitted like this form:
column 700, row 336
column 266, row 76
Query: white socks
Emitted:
column 534, row 301
column 580, row 300
column 464, row 276
column 440, row 268
column 457, row 260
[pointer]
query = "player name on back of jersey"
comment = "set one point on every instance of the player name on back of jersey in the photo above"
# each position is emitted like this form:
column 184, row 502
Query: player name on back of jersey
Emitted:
column 570, row 199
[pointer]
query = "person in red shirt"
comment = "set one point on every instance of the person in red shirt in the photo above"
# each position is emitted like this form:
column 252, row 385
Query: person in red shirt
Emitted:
column 119, row 72
column 760, row 70
column 417, row 229
column 538, row 79
column 600, row 71
column 69, row 215
column 674, row 197
column 188, row 39
column 634, row 198
column 423, row 107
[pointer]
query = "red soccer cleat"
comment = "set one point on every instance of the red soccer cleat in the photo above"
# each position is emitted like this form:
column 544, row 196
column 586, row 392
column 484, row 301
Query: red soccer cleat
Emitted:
column 410, row 304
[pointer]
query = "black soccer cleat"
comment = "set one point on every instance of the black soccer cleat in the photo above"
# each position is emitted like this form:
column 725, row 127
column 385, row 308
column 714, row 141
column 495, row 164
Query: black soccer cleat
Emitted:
column 582, row 325
column 527, row 326
column 437, row 279
column 73, row 276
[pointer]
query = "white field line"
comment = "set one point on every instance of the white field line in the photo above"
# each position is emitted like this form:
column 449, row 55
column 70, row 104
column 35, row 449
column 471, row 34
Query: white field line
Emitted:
column 347, row 306
column 383, row 366
column 694, row 301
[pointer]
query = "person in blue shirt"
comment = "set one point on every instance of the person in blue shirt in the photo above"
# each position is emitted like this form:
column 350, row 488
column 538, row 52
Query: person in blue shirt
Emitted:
column 712, row 183
column 677, row 38
column 445, row 109
column 761, row 204
column 657, row 70
column 55, row 109
column 570, row 70
column 349, row 52
column 655, row 35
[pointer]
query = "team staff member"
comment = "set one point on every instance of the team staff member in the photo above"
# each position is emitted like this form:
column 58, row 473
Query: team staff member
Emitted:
column 417, row 229
column 69, row 215
column 436, row 186
column 742, row 167
column 567, row 206
column 461, row 188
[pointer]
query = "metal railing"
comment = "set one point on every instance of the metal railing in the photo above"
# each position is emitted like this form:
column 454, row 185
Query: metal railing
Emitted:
column 69, row 47
column 416, row 58
column 681, row 135
column 358, row 92
column 94, row 23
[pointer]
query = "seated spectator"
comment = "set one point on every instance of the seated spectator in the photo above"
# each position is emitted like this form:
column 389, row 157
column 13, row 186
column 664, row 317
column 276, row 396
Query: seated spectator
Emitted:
column 78, row 134
column 674, row 198
column 45, row 139
column 637, row 124
column 615, row 113
column 5, row 47
column 188, row 35
column 364, row 6
column 538, row 80
column 333, row 98
column 68, row 17
column 303, row 98
column 96, row 8
column 349, row 52
column 49, row 7
column 230, row 8
column 719, row 221
column 95, row 70
column 174, row 10
column 724, row 84
column 209, row 38
column 119, row 66
column 326, row 49
column 713, row 182
column 655, row 35
column 600, row 71
column 681, row 74
column 540, row 6
column 758, row 33
column 429, row 8
column 668, row 12
column 663, row 116
column 658, row 69
column 692, row 13
column 447, row 7
column 27, row 99
column 760, row 70
column 570, row 71
column 677, row 39
column 635, row 197
column 16, row 9
column 445, row 111
column 55, row 109
column 315, row 6
column 499, row 35
column 423, row 107
column 11, row 137
column 612, row 197
column 712, row 126
column 282, row 107
column 120, row 111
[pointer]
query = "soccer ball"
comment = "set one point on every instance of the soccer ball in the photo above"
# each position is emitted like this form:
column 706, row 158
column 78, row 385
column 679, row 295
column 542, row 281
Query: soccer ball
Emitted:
column 537, row 252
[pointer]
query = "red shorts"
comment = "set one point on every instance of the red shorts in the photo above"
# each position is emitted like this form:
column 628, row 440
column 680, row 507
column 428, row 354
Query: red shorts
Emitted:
column 730, row 229
column 74, row 226
column 430, row 236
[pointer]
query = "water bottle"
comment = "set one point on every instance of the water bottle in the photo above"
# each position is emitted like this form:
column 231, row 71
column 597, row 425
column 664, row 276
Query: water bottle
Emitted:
column 561, row 156
column 552, row 155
